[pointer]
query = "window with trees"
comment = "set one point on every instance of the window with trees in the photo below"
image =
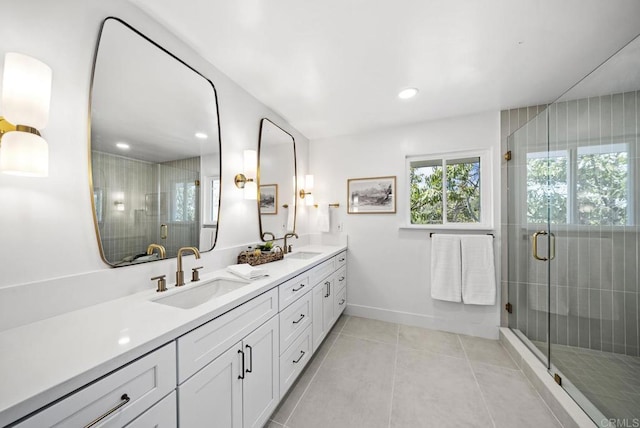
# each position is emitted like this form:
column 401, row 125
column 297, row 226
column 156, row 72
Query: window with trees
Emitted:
column 586, row 185
column 451, row 190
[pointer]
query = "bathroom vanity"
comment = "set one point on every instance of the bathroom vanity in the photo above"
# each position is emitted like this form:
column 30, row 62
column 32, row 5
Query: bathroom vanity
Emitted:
column 167, row 359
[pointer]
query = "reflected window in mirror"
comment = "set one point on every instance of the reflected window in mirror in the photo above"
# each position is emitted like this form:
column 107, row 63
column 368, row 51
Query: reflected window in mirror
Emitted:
column 276, row 178
column 154, row 137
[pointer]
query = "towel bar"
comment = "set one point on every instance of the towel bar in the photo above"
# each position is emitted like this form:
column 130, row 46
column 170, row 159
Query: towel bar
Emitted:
column 331, row 205
column 433, row 233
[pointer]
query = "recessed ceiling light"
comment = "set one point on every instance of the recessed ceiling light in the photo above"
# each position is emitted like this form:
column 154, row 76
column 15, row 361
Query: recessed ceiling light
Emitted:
column 201, row 135
column 123, row 146
column 407, row 93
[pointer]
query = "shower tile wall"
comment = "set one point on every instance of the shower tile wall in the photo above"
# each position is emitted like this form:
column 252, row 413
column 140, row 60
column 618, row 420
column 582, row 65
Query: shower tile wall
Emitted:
column 145, row 189
column 594, row 277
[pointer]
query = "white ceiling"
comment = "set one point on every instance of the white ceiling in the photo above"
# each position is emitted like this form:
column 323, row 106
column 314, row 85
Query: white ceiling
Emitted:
column 334, row 67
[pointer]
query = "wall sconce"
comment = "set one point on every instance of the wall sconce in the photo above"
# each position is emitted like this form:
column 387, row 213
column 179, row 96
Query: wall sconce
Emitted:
column 247, row 180
column 26, row 92
column 306, row 186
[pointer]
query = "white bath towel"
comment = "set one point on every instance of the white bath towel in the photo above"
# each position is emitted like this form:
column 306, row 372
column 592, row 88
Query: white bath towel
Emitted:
column 446, row 268
column 291, row 217
column 324, row 224
column 246, row 271
column 478, row 270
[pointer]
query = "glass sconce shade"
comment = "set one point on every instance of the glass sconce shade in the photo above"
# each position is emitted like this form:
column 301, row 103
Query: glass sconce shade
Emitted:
column 24, row 154
column 26, row 90
column 251, row 190
column 250, row 163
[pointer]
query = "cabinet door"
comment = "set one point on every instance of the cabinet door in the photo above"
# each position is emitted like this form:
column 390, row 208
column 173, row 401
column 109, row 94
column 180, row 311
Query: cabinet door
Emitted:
column 317, row 326
column 163, row 415
column 213, row 396
column 261, row 384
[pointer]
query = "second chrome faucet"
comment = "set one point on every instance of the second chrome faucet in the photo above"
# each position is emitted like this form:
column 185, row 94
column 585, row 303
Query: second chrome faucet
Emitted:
column 180, row 272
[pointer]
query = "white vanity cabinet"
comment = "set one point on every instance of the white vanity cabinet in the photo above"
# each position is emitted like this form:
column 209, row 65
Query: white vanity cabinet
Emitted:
column 238, row 386
column 118, row 398
column 329, row 298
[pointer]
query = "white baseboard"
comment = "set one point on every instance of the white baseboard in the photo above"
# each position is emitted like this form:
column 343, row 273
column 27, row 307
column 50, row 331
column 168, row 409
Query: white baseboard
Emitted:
column 488, row 331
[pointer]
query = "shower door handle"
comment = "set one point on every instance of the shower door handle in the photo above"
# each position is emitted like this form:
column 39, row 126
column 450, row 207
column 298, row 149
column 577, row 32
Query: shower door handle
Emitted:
column 552, row 246
column 535, row 246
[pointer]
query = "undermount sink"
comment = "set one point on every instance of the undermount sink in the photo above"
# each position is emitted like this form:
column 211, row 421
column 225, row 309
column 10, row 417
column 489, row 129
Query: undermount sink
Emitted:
column 194, row 295
column 303, row 255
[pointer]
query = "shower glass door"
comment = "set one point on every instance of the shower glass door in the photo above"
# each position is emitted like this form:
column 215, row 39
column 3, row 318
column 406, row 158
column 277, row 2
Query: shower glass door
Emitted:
column 529, row 174
column 573, row 239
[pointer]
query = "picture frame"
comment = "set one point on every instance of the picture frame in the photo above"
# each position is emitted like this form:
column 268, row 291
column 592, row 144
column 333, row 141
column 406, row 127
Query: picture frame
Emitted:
column 269, row 199
column 372, row 195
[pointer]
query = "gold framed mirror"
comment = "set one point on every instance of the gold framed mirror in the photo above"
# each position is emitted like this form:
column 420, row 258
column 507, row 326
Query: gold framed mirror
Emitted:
column 154, row 150
column 277, row 170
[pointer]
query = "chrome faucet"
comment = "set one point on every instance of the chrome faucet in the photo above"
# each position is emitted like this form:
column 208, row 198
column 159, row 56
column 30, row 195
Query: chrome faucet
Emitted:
column 288, row 248
column 162, row 253
column 180, row 272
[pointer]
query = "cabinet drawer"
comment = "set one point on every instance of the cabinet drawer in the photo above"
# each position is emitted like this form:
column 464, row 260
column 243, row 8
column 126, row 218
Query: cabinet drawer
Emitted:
column 341, row 279
column 321, row 271
column 340, row 302
column 293, row 320
column 141, row 383
column 292, row 290
column 341, row 259
column 162, row 415
column 294, row 359
column 199, row 347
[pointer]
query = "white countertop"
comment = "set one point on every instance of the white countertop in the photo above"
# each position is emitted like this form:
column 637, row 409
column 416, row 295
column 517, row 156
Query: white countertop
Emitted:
column 46, row 360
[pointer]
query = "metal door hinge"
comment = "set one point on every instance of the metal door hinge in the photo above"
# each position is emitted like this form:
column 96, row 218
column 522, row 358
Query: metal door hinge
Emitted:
column 507, row 156
column 557, row 378
column 508, row 307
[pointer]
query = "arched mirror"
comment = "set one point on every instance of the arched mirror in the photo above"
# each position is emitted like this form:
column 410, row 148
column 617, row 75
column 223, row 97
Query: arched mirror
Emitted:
column 276, row 180
column 154, row 150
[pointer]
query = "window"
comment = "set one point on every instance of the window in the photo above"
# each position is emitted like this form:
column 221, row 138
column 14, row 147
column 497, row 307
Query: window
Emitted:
column 587, row 185
column 184, row 208
column 451, row 190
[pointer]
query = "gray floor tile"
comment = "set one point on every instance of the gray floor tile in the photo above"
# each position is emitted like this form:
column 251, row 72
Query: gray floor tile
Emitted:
column 342, row 320
column 365, row 328
column 487, row 351
column 290, row 401
column 440, row 342
column 511, row 399
column 352, row 388
column 436, row 390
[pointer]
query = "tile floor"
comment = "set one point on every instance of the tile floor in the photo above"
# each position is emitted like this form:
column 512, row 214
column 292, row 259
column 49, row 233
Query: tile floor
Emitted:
column 370, row 373
column 610, row 381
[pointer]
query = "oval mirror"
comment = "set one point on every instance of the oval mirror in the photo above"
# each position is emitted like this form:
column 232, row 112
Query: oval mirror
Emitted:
column 276, row 180
column 154, row 150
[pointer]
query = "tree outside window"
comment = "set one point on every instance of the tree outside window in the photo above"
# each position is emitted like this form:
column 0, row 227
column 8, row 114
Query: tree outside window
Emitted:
column 445, row 191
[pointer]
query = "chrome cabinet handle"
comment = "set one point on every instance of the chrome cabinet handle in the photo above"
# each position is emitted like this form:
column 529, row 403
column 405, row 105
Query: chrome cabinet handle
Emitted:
column 125, row 399
column 341, row 279
column 341, row 259
column 250, row 369
column 341, row 302
column 299, row 288
column 241, row 376
column 299, row 358
column 301, row 317
column 328, row 284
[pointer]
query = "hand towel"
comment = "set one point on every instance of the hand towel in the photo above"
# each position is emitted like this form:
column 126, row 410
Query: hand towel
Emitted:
column 291, row 212
column 324, row 224
column 478, row 270
column 247, row 271
column 446, row 268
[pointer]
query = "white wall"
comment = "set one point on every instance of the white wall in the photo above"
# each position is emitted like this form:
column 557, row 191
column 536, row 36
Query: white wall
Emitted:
column 389, row 267
column 49, row 258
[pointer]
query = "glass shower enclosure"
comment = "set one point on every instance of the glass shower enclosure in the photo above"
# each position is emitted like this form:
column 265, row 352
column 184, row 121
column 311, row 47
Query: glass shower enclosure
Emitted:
column 573, row 225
